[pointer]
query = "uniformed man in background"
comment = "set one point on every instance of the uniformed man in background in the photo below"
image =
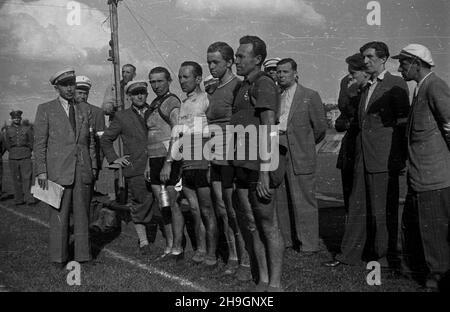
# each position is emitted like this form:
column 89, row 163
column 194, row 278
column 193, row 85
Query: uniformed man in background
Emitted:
column 19, row 143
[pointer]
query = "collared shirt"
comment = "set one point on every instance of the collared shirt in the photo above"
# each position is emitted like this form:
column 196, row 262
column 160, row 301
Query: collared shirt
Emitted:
column 256, row 93
column 193, row 116
column 286, row 102
column 373, row 85
column 64, row 104
column 140, row 111
column 193, row 108
column 416, row 90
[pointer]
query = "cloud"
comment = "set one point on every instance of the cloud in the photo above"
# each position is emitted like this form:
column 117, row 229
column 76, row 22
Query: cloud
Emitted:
column 40, row 30
column 295, row 8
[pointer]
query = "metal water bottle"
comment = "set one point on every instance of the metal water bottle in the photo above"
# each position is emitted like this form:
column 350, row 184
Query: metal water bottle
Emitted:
column 164, row 196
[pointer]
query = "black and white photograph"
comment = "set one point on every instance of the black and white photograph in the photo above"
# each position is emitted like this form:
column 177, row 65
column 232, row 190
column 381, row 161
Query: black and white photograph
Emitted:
column 225, row 151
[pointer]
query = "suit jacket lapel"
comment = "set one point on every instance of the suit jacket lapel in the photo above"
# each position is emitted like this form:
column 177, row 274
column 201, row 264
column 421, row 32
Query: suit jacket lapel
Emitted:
column 63, row 116
column 296, row 102
column 139, row 120
column 79, row 121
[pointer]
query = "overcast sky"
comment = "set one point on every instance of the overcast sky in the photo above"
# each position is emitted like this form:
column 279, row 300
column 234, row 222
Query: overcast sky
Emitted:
column 36, row 39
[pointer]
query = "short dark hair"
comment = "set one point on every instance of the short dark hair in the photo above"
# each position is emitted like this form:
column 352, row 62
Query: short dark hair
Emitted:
column 259, row 46
column 196, row 68
column 381, row 49
column 356, row 62
column 290, row 61
column 159, row 70
column 223, row 48
column 130, row 65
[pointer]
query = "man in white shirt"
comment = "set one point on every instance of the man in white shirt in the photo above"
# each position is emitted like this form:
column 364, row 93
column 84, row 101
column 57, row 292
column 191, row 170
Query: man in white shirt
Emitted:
column 302, row 125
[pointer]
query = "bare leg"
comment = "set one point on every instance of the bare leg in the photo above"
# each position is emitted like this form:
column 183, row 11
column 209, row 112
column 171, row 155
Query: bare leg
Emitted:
column 191, row 196
column 156, row 189
column 222, row 214
column 177, row 221
column 257, row 244
column 207, row 211
column 266, row 218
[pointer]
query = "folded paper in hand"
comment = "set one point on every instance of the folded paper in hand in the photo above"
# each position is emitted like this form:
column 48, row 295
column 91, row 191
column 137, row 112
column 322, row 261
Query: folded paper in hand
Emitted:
column 51, row 196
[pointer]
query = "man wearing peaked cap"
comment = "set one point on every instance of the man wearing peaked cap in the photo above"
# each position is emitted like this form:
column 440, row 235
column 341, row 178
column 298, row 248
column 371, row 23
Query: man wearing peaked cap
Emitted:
column 270, row 67
column 132, row 86
column 427, row 208
column 65, row 154
column 82, row 87
column 19, row 143
column 63, row 76
column 130, row 125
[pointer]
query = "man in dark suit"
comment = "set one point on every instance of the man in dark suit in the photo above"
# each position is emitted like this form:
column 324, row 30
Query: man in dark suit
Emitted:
column 65, row 154
column 427, row 209
column 302, row 125
column 348, row 101
column 19, row 143
column 379, row 157
column 130, row 125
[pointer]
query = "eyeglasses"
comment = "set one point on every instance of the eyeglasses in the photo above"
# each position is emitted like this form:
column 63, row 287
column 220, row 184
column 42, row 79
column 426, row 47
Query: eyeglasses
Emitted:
column 137, row 92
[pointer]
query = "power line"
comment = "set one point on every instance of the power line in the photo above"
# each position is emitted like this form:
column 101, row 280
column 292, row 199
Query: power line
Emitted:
column 148, row 37
column 169, row 36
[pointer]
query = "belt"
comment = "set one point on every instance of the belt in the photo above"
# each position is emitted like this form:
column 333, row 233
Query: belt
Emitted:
column 281, row 132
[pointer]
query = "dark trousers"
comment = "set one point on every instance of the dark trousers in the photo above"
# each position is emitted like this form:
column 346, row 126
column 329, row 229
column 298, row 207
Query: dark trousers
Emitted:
column 75, row 199
column 372, row 217
column 21, row 172
column 347, row 183
column 141, row 199
column 425, row 227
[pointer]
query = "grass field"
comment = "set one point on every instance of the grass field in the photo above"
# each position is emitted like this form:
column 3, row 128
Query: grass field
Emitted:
column 24, row 263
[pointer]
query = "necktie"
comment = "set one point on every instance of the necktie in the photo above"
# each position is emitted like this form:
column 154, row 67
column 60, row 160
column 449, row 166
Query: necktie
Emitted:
column 72, row 116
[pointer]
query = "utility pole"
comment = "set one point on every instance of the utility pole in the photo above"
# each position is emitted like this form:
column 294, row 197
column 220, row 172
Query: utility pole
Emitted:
column 119, row 105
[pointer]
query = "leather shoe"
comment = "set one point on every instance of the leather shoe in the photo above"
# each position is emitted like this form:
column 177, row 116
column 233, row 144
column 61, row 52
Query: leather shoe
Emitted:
column 332, row 264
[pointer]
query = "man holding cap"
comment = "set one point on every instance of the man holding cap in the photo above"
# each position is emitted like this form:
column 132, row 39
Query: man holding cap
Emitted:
column 427, row 207
column 65, row 154
column 19, row 143
column 130, row 125
column 270, row 67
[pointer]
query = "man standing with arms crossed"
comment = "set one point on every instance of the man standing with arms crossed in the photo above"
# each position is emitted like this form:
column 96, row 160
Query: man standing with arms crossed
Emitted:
column 427, row 209
column 257, row 103
column 65, row 154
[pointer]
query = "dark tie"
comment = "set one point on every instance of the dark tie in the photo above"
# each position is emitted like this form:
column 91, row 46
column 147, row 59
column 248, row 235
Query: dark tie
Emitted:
column 72, row 116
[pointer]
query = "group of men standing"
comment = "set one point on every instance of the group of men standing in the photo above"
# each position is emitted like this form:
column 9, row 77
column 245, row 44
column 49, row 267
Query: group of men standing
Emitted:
column 239, row 196
column 386, row 135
